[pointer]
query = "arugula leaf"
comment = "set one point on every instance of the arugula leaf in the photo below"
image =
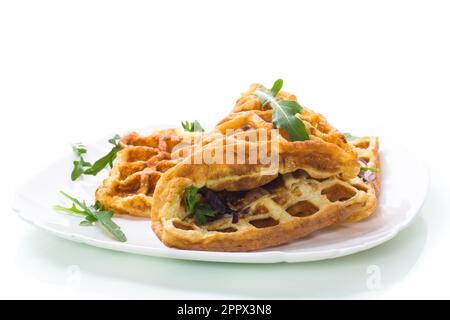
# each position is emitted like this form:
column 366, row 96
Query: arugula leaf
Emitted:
column 104, row 217
column 79, row 148
column 285, row 117
column 284, row 112
column 78, row 203
column 78, row 169
column 90, row 219
column 92, row 214
column 202, row 211
column 103, row 162
column 81, row 166
column 98, row 205
column 374, row 170
column 72, row 210
column 114, row 140
column 277, row 85
column 350, row 137
column 190, row 199
column 194, row 126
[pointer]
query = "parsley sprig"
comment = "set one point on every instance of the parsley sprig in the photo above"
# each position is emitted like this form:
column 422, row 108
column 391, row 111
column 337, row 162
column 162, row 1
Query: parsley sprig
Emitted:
column 81, row 166
column 93, row 214
column 200, row 211
column 194, row 126
column 283, row 112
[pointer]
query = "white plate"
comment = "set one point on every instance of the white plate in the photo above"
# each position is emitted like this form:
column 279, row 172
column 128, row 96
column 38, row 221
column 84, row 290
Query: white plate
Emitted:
column 400, row 200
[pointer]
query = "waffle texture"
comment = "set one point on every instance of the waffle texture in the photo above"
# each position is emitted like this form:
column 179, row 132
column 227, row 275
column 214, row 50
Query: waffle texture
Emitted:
column 137, row 168
column 289, row 207
column 325, row 154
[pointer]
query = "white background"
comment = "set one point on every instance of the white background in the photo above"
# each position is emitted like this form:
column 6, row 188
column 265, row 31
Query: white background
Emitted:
column 80, row 70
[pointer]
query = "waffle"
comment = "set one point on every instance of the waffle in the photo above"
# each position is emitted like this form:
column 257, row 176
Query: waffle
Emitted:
column 325, row 154
column 138, row 166
column 367, row 149
column 291, row 205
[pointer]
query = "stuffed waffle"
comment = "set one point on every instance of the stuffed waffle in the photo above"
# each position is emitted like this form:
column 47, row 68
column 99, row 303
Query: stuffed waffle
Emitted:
column 317, row 182
column 289, row 207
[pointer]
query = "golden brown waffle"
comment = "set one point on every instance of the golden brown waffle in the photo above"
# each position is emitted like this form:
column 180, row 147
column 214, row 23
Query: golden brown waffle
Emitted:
column 367, row 149
column 325, row 154
column 287, row 208
column 137, row 168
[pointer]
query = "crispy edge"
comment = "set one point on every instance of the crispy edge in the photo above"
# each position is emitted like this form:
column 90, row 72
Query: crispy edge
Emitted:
column 373, row 187
column 255, row 239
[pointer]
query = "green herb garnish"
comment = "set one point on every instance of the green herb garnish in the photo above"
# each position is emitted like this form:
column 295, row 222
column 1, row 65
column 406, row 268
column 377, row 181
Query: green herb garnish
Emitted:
column 190, row 199
column 276, row 87
column 200, row 211
column 93, row 214
column 374, row 170
column 350, row 137
column 81, row 166
column 194, row 126
column 284, row 112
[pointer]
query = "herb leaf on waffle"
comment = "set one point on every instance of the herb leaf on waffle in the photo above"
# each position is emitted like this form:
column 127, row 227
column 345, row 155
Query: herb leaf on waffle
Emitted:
column 283, row 112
